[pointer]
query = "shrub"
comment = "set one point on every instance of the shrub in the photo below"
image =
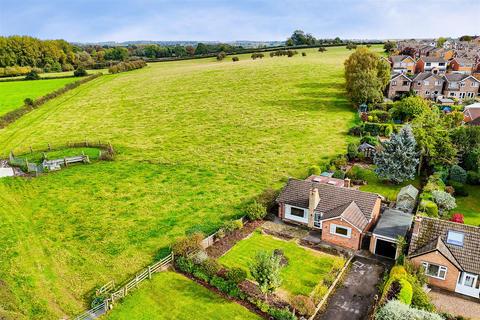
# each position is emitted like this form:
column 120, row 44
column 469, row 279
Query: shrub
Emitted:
column 210, row 267
column 395, row 310
column 339, row 161
column 237, row 275
column 406, row 292
column 201, row 275
column 230, row 226
column 388, row 130
column 257, row 56
column 304, row 54
column 398, row 272
column 457, row 217
column 235, row 59
column 314, row 170
column 420, row 299
column 459, row 189
column 32, row 75
column 28, row 101
column 221, row 55
column 281, row 314
column 473, row 178
column 339, row 174
column 188, row 244
column 303, row 304
column 458, row 174
column 322, row 49
column 444, row 200
column 255, row 211
column 80, row 72
column 429, row 207
column 199, row 257
column 184, row 264
column 352, row 151
column 357, row 173
column 265, row 269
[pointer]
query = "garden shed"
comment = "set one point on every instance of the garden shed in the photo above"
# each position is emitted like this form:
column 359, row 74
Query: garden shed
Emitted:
column 407, row 198
column 367, row 149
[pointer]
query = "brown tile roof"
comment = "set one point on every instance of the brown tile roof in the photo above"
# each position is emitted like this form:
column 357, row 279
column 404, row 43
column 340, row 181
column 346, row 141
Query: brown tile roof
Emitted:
column 334, row 201
column 432, row 235
column 432, row 59
column 425, row 75
column 400, row 58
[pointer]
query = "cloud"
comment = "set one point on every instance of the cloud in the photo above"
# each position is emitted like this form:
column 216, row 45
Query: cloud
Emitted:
column 121, row 20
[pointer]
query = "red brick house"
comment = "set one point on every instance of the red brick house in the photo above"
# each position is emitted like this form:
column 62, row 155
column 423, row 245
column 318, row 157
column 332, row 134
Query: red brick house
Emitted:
column 462, row 65
column 460, row 86
column 431, row 64
column 343, row 215
column 449, row 252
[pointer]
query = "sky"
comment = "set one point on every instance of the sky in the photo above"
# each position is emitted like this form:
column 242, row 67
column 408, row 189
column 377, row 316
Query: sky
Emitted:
column 229, row 20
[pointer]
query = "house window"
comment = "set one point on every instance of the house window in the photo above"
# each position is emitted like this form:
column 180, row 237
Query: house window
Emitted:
column 394, row 83
column 405, row 83
column 455, row 238
column 437, row 83
column 441, row 64
column 435, row 271
column 474, row 84
column 470, row 94
column 428, row 64
column 462, row 84
column 427, row 93
column 426, row 83
column 297, row 212
column 340, row 231
column 452, row 94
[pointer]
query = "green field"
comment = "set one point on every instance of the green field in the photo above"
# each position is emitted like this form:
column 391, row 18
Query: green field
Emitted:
column 13, row 93
column 195, row 139
column 58, row 74
column 173, row 296
column 470, row 206
column 306, row 268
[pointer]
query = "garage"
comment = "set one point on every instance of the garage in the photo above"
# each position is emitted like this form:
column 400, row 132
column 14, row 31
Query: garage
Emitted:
column 385, row 248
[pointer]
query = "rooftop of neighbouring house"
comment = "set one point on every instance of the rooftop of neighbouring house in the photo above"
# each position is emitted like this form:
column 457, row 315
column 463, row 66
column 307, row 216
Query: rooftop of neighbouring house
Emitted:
column 327, row 179
column 393, row 223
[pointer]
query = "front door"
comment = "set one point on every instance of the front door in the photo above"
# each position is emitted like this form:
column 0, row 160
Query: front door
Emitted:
column 467, row 284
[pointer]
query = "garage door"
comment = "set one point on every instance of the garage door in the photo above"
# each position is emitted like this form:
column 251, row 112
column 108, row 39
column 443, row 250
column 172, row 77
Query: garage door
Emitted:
column 386, row 248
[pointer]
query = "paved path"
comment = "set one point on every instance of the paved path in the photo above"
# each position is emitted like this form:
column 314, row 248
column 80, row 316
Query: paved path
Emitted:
column 355, row 297
column 455, row 304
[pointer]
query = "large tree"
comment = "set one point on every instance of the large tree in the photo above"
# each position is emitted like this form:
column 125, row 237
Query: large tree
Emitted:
column 366, row 76
column 398, row 159
column 409, row 108
column 299, row 37
column 389, row 46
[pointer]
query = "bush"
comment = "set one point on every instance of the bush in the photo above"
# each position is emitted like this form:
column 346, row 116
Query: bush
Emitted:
column 235, row 59
column 201, row 275
column 237, row 275
column 255, row 211
column 221, row 55
column 257, row 56
column 444, row 201
column 352, row 151
column 458, row 174
column 473, row 178
column 395, row 310
column 457, row 217
column 322, row 49
column 80, row 72
column 314, row 170
column 184, row 264
column 429, row 207
column 127, row 66
column 188, row 244
column 339, row 174
column 406, row 292
column 398, row 272
column 420, row 299
column 232, row 225
column 28, row 101
column 357, row 173
column 199, row 257
column 303, row 304
column 32, row 75
column 210, row 267
column 304, row 54
column 459, row 189
column 281, row 314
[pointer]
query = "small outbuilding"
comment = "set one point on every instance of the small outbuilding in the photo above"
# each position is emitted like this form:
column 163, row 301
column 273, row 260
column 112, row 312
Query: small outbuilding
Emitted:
column 391, row 225
column 407, row 198
column 367, row 149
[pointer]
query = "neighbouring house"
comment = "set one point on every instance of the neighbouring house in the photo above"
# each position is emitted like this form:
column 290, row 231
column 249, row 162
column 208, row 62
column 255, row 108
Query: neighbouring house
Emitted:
column 427, row 85
column 402, row 64
column 399, row 85
column 449, row 252
column 431, row 64
column 343, row 215
column 462, row 65
column 327, row 178
column 392, row 225
column 426, row 49
column 443, row 53
column 471, row 112
column 460, row 86
column 407, row 199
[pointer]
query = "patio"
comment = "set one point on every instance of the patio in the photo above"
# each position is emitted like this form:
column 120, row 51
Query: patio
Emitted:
column 455, row 304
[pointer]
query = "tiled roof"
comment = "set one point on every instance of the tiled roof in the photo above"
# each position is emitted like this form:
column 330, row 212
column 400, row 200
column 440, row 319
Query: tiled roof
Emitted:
column 334, row 201
column 393, row 223
column 425, row 75
column 399, row 58
column 456, row 77
column 439, row 245
column 432, row 59
column 431, row 231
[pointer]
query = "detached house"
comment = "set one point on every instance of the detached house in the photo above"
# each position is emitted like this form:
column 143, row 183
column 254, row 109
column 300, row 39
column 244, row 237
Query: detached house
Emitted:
column 431, row 64
column 449, row 252
column 343, row 215
column 399, row 84
column 462, row 65
column 402, row 64
column 460, row 86
column 427, row 85
column 471, row 113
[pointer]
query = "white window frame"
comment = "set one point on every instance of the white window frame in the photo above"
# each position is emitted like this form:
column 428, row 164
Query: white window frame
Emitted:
column 333, row 230
column 426, row 264
column 453, row 233
column 394, row 83
column 289, row 216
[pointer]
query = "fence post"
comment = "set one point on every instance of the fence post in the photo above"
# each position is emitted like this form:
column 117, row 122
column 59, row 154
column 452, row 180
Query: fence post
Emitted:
column 149, row 273
column 31, row 149
column 49, row 147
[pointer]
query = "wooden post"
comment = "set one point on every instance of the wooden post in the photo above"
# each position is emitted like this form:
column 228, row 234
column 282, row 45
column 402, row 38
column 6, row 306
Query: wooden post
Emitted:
column 65, row 161
column 31, row 149
column 49, row 147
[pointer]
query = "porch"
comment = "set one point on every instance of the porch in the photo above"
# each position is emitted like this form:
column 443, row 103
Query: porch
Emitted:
column 468, row 285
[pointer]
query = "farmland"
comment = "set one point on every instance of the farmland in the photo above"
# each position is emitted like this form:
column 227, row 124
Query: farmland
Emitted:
column 195, row 140
column 13, row 93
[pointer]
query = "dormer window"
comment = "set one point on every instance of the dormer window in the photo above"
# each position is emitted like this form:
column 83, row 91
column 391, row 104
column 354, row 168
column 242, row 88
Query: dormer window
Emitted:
column 455, row 238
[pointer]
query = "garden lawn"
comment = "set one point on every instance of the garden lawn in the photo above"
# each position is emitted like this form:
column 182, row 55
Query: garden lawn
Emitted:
column 470, row 206
column 384, row 188
column 306, row 268
column 170, row 295
column 194, row 139
column 13, row 93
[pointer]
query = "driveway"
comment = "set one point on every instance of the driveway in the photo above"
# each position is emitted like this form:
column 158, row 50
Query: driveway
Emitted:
column 355, row 297
column 455, row 304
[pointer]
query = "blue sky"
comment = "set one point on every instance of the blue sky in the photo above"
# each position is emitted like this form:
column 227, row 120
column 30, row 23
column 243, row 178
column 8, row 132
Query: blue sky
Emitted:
column 216, row 20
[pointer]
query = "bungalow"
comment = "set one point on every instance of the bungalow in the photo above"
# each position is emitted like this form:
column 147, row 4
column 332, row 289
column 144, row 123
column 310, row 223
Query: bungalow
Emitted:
column 427, row 85
column 399, row 84
column 402, row 64
column 449, row 252
column 460, row 86
column 432, row 64
column 343, row 215
column 462, row 65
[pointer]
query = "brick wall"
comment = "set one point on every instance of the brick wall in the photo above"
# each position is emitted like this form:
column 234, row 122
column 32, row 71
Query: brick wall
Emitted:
column 351, row 243
column 437, row 258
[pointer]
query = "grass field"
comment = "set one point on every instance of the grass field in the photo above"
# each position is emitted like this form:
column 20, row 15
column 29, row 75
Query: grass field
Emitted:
column 173, row 296
column 58, row 74
column 305, row 269
column 13, row 93
column 195, row 139
column 470, row 206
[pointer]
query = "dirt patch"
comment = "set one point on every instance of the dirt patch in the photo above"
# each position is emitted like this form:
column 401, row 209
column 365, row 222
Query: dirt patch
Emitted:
column 254, row 291
column 221, row 246
column 282, row 230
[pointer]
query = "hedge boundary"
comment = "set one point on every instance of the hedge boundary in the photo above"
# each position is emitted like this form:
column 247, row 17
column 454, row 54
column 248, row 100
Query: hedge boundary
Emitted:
column 14, row 115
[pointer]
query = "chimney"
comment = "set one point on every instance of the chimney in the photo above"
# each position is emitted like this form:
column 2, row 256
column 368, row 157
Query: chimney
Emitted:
column 416, row 225
column 313, row 200
column 346, row 182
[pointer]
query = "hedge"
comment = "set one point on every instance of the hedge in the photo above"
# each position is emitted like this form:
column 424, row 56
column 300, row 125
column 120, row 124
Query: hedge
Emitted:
column 396, row 310
column 127, row 66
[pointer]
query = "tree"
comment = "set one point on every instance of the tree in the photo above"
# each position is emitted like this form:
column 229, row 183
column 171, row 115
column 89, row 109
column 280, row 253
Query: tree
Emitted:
column 409, row 108
column 366, row 76
column 80, row 72
column 445, row 201
column 190, row 50
column 265, row 269
column 441, row 41
column 389, row 46
column 466, row 38
column 398, row 159
column 458, row 174
column 32, row 75
column 201, row 49
column 299, row 38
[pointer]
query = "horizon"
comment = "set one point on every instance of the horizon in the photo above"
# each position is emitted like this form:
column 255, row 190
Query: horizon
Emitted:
column 222, row 21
